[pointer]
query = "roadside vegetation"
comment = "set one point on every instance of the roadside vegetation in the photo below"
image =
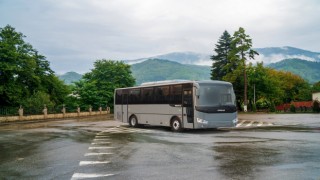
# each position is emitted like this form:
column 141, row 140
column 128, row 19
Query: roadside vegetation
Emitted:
column 257, row 86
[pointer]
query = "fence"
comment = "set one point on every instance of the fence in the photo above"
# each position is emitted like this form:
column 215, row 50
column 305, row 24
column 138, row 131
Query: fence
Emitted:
column 18, row 114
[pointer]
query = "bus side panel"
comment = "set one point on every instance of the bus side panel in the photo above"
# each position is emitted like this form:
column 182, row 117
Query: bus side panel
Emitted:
column 118, row 112
column 155, row 114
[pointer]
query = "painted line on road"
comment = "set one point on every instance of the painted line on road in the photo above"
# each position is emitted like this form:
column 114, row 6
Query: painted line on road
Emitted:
column 100, row 143
column 86, row 175
column 260, row 124
column 101, row 139
column 240, row 123
column 97, row 154
column 100, row 148
column 84, row 163
column 250, row 124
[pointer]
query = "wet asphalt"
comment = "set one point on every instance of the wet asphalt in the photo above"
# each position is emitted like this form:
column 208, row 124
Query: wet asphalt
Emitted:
column 264, row 146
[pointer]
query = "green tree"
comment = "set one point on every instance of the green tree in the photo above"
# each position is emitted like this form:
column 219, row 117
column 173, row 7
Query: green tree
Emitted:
column 97, row 87
column 241, row 52
column 220, row 60
column 316, row 87
column 24, row 72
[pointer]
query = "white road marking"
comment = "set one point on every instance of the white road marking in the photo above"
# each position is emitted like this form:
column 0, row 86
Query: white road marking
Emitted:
column 250, row 124
column 240, row 123
column 101, row 147
column 260, row 124
column 83, row 163
column 99, row 143
column 85, row 175
column 97, row 154
column 102, row 136
column 100, row 139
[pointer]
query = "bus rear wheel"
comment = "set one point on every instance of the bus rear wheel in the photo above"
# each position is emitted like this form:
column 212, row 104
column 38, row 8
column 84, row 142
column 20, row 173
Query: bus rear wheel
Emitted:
column 176, row 125
column 133, row 121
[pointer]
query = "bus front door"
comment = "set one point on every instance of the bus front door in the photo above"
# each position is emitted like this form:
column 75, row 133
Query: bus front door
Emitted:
column 187, row 108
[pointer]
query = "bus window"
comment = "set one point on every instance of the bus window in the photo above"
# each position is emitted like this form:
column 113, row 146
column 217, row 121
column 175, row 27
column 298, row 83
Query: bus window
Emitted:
column 147, row 95
column 162, row 95
column 176, row 94
column 134, row 97
column 118, row 97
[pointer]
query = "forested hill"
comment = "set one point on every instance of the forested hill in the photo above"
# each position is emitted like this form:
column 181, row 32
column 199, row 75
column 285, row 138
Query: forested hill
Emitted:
column 159, row 69
column 306, row 69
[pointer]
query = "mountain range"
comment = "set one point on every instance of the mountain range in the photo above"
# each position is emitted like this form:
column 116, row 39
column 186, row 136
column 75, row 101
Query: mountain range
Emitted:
column 196, row 66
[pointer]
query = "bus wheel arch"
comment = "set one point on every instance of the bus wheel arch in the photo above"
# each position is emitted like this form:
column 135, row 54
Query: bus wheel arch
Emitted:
column 133, row 121
column 175, row 124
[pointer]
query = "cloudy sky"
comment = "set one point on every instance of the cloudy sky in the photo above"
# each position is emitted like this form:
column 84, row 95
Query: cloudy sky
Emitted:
column 72, row 34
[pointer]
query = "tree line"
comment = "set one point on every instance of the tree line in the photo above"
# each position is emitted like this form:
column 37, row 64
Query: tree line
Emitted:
column 256, row 86
column 28, row 81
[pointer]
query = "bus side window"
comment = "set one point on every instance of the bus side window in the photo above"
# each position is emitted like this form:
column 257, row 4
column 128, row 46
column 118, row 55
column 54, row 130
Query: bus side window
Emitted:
column 162, row 95
column 147, row 95
column 176, row 94
column 134, row 97
column 118, row 97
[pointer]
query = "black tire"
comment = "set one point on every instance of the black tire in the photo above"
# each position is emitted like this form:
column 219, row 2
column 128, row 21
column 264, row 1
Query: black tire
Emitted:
column 176, row 125
column 133, row 121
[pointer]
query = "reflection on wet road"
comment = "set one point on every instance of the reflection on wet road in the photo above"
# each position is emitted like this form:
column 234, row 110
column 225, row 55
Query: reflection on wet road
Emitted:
column 282, row 147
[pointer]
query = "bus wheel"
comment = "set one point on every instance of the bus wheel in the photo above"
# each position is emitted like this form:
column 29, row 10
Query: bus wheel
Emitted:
column 133, row 121
column 176, row 125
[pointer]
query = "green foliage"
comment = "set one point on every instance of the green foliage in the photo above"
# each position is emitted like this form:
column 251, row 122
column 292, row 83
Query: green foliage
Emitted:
column 159, row 69
column 254, row 108
column 241, row 51
column 316, row 87
column 97, row 87
column 316, row 107
column 292, row 108
column 272, row 107
column 220, row 60
column 24, row 73
column 306, row 69
column 35, row 103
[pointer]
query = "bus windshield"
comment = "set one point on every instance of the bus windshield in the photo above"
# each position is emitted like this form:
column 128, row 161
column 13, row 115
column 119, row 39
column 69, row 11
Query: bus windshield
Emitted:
column 216, row 95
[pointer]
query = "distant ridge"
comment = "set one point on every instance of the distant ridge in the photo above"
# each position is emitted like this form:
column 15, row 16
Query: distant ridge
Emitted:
column 70, row 77
column 308, row 70
column 160, row 69
column 267, row 55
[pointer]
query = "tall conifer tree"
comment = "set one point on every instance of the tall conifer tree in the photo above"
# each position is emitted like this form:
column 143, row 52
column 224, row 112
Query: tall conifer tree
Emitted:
column 220, row 60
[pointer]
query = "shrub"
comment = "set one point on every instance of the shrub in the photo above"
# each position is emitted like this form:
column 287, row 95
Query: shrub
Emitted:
column 316, row 106
column 292, row 108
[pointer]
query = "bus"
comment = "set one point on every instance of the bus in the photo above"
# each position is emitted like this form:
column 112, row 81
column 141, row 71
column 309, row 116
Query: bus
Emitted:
column 179, row 104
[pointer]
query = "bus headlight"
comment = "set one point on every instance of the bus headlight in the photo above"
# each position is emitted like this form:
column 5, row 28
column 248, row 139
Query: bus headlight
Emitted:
column 235, row 121
column 202, row 121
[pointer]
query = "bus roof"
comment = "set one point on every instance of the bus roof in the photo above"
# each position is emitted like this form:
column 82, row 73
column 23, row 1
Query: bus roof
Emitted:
column 179, row 81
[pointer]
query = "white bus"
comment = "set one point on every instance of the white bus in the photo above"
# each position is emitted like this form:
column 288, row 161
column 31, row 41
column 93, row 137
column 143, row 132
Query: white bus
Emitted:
column 179, row 104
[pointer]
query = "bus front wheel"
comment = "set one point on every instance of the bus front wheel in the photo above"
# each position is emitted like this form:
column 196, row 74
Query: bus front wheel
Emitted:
column 176, row 124
column 133, row 121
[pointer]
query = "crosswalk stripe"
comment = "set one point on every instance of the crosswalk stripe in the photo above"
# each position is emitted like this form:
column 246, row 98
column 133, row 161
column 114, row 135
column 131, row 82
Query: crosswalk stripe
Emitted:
column 97, row 154
column 83, row 163
column 100, row 148
column 260, row 124
column 87, row 175
column 100, row 143
column 250, row 124
column 239, row 124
